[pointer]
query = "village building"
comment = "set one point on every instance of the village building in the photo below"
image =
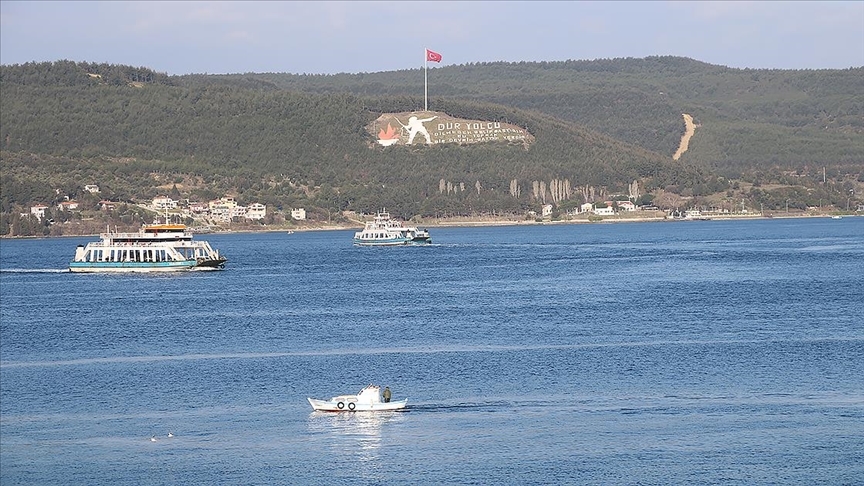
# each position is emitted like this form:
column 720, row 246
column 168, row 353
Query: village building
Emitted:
column 68, row 206
column 256, row 211
column 38, row 211
column 227, row 202
column 298, row 214
column 626, row 205
column 198, row 208
column 223, row 209
column 164, row 202
column 607, row 211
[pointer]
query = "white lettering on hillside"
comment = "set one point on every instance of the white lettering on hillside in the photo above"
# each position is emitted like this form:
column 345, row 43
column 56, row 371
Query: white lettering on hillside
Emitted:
column 469, row 126
column 475, row 131
column 447, row 131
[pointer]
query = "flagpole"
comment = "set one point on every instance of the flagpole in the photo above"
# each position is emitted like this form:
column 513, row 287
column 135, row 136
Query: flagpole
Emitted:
column 425, row 80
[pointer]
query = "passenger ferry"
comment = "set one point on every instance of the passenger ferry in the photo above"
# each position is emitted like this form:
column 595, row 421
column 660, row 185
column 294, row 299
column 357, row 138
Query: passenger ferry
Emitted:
column 383, row 231
column 154, row 248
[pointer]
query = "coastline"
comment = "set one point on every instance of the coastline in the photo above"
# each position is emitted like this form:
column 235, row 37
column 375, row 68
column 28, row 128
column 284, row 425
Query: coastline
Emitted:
column 492, row 222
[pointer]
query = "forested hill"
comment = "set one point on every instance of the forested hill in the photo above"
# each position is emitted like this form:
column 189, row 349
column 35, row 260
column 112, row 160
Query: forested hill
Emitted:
column 287, row 148
column 748, row 118
column 599, row 128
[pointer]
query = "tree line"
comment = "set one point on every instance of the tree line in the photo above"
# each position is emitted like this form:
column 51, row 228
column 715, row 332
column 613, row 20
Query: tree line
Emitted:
column 290, row 141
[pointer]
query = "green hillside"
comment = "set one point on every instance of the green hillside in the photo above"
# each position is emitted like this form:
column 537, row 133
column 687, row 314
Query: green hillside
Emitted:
column 792, row 117
column 291, row 141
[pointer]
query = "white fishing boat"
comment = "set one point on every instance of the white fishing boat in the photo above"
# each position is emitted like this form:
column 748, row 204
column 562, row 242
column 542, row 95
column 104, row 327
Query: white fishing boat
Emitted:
column 368, row 400
column 384, row 231
column 154, row 248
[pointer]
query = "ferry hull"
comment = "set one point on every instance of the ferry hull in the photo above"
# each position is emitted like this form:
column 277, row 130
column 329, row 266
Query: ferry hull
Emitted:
column 392, row 242
column 131, row 267
column 211, row 264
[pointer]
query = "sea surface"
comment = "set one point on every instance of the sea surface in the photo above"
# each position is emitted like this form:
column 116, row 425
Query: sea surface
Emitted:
column 703, row 352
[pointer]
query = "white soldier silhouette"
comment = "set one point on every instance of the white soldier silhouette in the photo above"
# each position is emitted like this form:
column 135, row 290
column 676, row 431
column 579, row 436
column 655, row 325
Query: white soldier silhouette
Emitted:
column 415, row 126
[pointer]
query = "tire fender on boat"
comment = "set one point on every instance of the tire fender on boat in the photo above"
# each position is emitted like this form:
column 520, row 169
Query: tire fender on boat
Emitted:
column 351, row 406
column 340, row 405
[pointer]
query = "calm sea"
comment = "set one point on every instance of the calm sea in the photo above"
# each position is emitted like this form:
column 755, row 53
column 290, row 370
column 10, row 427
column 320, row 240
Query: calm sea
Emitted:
column 706, row 352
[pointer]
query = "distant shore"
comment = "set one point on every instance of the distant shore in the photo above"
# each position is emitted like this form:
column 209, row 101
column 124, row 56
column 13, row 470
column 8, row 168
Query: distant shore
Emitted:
column 468, row 222
column 492, row 222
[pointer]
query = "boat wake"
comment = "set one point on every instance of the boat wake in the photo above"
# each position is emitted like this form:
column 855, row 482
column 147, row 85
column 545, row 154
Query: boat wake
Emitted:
column 34, row 270
column 460, row 407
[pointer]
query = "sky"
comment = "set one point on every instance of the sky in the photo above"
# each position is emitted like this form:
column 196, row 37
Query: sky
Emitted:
column 321, row 37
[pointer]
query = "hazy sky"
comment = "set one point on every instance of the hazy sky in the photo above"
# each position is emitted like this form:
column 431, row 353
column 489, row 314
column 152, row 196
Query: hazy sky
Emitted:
column 333, row 37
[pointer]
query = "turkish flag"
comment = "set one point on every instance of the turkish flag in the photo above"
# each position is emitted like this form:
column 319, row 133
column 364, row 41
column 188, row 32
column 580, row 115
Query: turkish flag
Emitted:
column 433, row 56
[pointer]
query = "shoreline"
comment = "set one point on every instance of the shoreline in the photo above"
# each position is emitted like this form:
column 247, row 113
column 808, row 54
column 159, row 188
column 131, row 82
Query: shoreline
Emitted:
column 481, row 223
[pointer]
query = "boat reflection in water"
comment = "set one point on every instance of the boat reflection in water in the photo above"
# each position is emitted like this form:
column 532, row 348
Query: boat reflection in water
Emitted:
column 353, row 435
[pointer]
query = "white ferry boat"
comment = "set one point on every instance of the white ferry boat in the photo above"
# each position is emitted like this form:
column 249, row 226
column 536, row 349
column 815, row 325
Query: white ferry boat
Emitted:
column 383, row 231
column 154, row 248
column 695, row 215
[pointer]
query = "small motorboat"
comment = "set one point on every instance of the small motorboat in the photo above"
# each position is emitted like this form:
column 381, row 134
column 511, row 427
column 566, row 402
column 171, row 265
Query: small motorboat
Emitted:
column 368, row 400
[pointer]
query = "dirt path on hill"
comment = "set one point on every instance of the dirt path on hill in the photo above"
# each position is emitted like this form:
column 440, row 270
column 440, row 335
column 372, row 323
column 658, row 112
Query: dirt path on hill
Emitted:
column 689, row 130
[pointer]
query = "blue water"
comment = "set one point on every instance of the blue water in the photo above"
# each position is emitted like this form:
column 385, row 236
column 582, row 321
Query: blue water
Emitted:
column 707, row 352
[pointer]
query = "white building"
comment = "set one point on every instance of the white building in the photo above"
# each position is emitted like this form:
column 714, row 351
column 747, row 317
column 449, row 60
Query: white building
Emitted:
column 38, row 211
column 626, row 206
column 585, row 208
column 164, row 202
column 91, row 188
column 298, row 214
column 547, row 210
column 198, row 208
column 256, row 211
column 223, row 209
column 220, row 214
column 607, row 211
column 105, row 205
column 225, row 202
column 68, row 206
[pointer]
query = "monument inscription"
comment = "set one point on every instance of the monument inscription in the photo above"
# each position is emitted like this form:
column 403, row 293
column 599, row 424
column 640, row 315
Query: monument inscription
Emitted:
column 426, row 127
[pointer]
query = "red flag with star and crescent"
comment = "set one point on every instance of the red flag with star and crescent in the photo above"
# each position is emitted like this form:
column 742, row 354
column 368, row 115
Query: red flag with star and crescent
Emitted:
column 433, row 56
